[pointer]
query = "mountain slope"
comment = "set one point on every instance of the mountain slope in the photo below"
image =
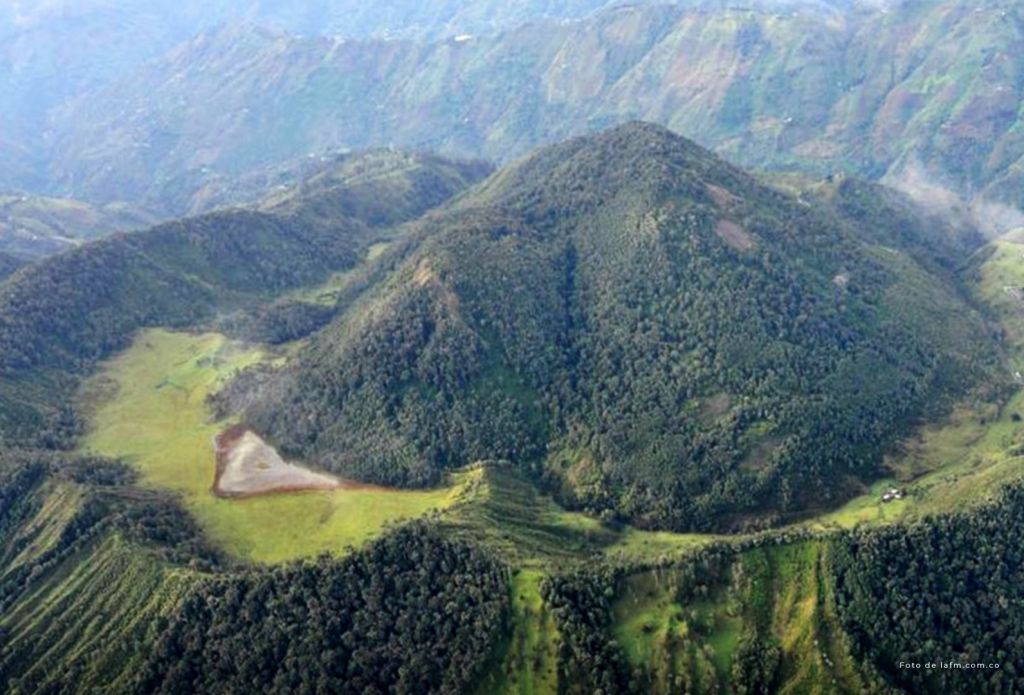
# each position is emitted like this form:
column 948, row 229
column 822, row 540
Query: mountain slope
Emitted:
column 924, row 94
column 34, row 226
column 74, row 308
column 54, row 51
column 106, row 586
column 654, row 330
column 8, row 264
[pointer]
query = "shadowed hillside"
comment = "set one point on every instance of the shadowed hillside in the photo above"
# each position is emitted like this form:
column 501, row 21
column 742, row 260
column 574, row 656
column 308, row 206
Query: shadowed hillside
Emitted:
column 32, row 226
column 8, row 264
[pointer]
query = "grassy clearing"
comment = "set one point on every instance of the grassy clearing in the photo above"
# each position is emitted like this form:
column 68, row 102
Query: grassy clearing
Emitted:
column 816, row 651
column 999, row 279
column 327, row 293
column 527, row 662
column 946, row 466
column 150, row 410
column 634, row 545
column 781, row 594
column 679, row 644
column 499, row 507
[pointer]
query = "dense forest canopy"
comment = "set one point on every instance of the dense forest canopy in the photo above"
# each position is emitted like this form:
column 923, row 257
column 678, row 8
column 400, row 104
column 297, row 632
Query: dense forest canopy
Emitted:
column 80, row 306
column 944, row 591
column 647, row 327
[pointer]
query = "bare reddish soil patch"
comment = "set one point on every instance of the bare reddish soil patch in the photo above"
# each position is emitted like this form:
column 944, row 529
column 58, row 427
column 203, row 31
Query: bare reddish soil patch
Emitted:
column 722, row 197
column 734, row 235
column 714, row 407
column 248, row 466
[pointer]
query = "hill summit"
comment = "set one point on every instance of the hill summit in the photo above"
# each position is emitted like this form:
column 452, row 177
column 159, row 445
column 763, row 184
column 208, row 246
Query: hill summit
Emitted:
column 646, row 327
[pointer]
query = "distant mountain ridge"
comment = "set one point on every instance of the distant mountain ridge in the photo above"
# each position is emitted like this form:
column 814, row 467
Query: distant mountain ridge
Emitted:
column 35, row 226
column 52, row 51
column 921, row 93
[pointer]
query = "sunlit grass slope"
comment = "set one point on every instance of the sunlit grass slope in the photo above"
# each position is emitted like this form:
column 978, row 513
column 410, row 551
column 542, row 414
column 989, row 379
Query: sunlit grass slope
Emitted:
column 149, row 407
column 82, row 621
column 526, row 663
column 777, row 595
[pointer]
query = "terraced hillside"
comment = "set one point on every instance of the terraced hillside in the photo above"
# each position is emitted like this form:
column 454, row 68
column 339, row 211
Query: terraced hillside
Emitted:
column 106, row 587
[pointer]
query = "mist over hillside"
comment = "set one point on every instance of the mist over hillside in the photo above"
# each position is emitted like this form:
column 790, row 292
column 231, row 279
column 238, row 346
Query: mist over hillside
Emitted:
column 919, row 95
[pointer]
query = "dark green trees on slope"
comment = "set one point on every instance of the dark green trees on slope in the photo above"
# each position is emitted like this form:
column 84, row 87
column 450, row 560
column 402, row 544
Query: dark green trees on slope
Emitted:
column 947, row 590
column 413, row 613
column 75, row 308
column 8, row 264
column 643, row 323
column 106, row 587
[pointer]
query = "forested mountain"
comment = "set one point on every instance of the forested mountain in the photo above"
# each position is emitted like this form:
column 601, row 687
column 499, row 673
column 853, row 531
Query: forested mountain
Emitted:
column 923, row 93
column 79, row 306
column 643, row 324
column 632, row 326
column 444, row 346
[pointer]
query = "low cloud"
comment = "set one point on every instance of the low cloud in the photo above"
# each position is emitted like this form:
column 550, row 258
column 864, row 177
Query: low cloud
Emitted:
column 991, row 218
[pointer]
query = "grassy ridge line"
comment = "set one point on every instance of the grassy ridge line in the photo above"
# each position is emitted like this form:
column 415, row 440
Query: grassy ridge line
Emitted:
column 77, row 627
